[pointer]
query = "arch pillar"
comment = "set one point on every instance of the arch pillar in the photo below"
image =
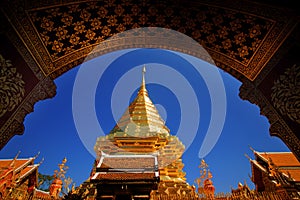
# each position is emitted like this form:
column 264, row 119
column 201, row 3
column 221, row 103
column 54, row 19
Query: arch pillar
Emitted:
column 30, row 83
column 278, row 127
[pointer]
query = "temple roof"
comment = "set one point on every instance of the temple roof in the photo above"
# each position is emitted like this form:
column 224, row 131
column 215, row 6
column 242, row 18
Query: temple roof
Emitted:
column 294, row 173
column 127, row 163
column 127, row 167
column 21, row 166
column 124, row 176
column 141, row 118
column 28, row 170
column 14, row 172
column 17, row 164
column 280, row 159
column 285, row 162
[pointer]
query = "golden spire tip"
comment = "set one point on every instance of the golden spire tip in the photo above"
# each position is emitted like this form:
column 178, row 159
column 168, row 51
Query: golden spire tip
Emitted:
column 143, row 77
column 144, row 71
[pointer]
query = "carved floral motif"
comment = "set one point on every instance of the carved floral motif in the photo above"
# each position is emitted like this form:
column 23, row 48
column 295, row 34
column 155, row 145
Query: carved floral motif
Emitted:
column 286, row 93
column 12, row 89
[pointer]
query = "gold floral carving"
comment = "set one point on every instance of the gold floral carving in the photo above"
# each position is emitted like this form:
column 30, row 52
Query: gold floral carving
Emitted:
column 241, row 37
column 12, row 89
column 231, row 38
column 14, row 125
column 286, row 93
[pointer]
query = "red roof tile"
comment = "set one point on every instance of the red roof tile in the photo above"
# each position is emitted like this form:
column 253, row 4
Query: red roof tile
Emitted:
column 28, row 169
column 295, row 173
column 126, row 176
column 127, row 163
column 285, row 161
column 17, row 163
column 22, row 167
column 280, row 159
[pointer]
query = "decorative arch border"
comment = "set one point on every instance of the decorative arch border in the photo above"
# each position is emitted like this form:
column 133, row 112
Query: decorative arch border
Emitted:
column 278, row 127
column 256, row 30
column 35, row 57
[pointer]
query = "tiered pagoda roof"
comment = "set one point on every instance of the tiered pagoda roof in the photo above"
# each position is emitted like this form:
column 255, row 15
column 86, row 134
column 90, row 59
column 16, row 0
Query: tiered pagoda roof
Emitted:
column 141, row 130
column 141, row 118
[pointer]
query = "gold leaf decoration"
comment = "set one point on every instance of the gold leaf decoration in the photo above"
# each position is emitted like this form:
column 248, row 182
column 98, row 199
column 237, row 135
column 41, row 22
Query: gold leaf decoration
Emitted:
column 12, row 89
column 286, row 93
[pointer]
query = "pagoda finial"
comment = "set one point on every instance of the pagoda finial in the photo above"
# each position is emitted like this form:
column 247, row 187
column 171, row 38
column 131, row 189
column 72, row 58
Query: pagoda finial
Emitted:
column 143, row 85
column 143, row 79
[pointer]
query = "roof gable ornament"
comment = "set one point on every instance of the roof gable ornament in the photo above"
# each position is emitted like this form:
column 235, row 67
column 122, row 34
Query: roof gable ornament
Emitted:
column 14, row 160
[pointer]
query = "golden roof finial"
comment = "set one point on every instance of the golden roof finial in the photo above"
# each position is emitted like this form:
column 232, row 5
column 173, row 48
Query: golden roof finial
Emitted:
column 14, row 160
column 143, row 77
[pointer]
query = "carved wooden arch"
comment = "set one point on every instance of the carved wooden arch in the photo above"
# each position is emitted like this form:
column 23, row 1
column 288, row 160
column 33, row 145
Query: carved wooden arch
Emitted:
column 278, row 127
column 259, row 92
column 241, row 37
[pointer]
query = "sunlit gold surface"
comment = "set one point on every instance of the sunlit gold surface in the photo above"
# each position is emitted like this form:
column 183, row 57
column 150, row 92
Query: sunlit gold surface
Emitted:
column 142, row 130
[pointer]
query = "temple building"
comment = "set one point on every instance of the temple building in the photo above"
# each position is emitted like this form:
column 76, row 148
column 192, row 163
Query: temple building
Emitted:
column 140, row 149
column 19, row 180
column 276, row 172
column 126, row 176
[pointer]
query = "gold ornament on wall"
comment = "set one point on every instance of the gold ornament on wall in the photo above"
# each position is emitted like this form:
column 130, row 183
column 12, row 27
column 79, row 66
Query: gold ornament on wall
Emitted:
column 12, row 89
column 286, row 93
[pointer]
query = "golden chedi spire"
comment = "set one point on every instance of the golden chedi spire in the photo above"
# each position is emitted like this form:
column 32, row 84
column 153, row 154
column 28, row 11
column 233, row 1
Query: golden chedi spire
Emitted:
column 141, row 119
column 141, row 130
column 143, row 86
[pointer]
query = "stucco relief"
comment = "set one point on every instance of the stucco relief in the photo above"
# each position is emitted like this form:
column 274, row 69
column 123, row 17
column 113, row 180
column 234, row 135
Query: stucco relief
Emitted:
column 286, row 93
column 12, row 89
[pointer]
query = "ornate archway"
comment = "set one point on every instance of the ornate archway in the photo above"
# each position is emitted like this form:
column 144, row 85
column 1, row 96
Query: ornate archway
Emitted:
column 256, row 43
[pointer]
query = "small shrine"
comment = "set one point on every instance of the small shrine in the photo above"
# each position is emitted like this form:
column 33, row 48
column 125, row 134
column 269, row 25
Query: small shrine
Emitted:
column 205, row 185
column 126, row 176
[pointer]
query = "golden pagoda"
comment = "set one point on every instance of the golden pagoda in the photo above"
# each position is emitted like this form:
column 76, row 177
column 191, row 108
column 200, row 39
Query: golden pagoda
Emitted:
column 141, row 130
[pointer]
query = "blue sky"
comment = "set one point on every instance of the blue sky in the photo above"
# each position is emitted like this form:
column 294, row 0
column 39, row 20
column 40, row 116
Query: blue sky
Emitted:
column 51, row 129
